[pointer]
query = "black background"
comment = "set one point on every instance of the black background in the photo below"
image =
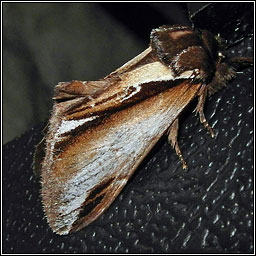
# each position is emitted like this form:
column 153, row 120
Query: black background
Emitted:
column 163, row 209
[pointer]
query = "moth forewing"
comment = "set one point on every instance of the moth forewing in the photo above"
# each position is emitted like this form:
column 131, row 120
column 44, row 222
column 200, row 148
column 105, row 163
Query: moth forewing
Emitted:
column 85, row 177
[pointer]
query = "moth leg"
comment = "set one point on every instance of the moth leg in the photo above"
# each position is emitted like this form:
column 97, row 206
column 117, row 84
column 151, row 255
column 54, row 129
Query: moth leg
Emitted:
column 200, row 109
column 172, row 138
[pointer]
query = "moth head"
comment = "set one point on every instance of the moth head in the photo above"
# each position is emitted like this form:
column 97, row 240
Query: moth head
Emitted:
column 182, row 49
column 226, row 66
column 224, row 71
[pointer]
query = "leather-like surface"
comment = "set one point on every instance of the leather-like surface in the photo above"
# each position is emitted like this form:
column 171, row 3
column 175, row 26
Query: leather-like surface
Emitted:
column 163, row 209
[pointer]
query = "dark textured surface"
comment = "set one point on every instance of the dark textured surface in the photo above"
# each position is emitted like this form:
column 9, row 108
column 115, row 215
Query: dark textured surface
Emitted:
column 208, row 209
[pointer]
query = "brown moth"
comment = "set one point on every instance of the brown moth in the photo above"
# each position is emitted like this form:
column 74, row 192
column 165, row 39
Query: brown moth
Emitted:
column 100, row 131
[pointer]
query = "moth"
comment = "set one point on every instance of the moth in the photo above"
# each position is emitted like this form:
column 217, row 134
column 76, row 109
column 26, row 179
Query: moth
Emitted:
column 100, row 131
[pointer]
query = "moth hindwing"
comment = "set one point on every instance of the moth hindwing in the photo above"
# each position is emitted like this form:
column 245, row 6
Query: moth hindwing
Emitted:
column 100, row 131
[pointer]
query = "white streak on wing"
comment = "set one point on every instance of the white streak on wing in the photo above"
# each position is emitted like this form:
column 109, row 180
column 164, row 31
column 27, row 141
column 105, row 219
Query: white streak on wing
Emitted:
column 125, row 143
column 137, row 89
column 66, row 126
column 69, row 125
column 152, row 72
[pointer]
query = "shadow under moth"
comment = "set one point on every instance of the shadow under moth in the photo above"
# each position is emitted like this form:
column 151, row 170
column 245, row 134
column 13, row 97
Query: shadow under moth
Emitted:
column 100, row 131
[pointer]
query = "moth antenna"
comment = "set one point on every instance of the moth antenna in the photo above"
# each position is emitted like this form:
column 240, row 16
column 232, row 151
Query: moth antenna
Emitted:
column 238, row 41
column 200, row 109
column 192, row 16
column 172, row 138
